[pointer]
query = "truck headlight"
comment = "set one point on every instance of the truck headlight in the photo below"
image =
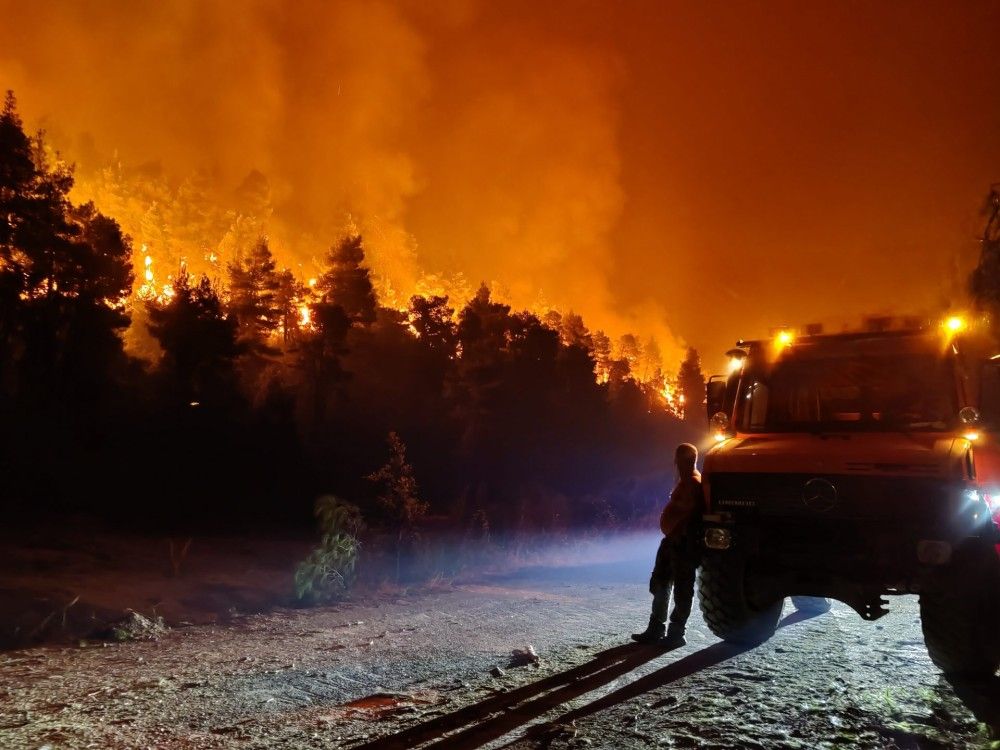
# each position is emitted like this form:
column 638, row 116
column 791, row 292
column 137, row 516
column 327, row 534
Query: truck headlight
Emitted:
column 718, row 538
column 991, row 496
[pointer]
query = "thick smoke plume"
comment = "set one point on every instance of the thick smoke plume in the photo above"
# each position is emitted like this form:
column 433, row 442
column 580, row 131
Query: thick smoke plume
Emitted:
column 462, row 150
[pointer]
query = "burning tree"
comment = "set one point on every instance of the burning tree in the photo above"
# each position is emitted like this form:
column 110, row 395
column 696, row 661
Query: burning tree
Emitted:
column 289, row 299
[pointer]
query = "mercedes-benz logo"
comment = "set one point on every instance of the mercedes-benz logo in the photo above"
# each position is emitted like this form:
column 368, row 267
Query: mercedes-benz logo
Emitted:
column 819, row 495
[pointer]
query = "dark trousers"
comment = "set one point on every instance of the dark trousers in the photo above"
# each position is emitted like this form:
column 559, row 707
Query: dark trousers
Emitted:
column 675, row 568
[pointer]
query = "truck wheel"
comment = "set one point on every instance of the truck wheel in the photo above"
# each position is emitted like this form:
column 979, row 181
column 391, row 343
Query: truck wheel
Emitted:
column 961, row 623
column 812, row 605
column 727, row 605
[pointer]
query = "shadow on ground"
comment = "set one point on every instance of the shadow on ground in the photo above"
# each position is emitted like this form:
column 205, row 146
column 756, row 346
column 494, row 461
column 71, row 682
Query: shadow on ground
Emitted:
column 495, row 717
column 982, row 697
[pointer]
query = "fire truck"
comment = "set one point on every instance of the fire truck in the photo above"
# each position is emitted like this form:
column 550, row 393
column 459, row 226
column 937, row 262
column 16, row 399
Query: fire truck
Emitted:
column 856, row 466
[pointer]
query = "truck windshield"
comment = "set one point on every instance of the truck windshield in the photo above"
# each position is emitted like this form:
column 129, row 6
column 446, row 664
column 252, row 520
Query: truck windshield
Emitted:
column 871, row 392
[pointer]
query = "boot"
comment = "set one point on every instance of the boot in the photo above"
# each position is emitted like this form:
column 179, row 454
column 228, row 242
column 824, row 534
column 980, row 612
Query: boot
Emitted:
column 675, row 637
column 653, row 633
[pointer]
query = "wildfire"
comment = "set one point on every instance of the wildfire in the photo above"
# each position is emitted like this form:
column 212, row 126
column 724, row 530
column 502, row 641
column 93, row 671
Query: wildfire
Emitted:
column 149, row 291
column 673, row 401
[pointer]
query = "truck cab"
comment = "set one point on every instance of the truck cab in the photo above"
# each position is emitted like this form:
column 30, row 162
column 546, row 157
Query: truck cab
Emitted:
column 856, row 466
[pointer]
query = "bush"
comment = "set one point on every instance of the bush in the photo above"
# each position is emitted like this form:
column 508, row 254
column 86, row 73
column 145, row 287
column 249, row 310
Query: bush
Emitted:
column 329, row 570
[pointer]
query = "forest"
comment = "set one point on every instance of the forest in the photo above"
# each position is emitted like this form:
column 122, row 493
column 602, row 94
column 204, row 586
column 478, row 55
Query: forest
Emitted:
column 252, row 393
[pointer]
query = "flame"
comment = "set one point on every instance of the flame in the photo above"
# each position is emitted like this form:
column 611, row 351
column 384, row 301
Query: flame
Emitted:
column 305, row 314
column 673, row 400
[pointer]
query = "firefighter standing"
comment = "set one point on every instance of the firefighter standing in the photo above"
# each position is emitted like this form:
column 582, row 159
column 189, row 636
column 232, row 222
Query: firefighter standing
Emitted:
column 678, row 555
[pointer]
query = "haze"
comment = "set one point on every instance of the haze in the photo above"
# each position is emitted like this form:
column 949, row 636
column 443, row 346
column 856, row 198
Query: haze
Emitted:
column 696, row 172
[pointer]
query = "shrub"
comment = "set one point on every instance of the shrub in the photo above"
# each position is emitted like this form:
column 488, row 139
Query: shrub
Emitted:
column 329, row 570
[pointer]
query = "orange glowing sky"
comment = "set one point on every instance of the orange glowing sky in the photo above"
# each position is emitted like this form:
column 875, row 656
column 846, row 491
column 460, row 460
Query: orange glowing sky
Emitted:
column 697, row 171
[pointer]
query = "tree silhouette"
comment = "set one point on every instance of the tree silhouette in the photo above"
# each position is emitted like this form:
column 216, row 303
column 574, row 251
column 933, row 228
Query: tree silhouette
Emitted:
column 253, row 295
column 347, row 282
column 64, row 275
column 397, row 497
column 433, row 321
column 630, row 350
column 319, row 361
column 198, row 339
column 691, row 382
column 288, row 298
column 574, row 332
column 527, row 422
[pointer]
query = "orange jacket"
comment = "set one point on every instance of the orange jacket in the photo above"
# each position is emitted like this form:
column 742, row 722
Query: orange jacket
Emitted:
column 685, row 501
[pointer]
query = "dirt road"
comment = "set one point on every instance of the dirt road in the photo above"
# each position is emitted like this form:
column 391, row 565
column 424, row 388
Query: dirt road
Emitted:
column 432, row 668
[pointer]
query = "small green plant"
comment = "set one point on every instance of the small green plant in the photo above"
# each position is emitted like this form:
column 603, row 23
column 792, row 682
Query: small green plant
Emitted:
column 329, row 570
column 397, row 496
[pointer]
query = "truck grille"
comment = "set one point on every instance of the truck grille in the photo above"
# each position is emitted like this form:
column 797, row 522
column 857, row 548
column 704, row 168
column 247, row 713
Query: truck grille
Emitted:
column 909, row 499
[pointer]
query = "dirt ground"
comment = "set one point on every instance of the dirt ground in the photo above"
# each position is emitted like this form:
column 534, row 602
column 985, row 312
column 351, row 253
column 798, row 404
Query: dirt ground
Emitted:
column 66, row 580
column 433, row 668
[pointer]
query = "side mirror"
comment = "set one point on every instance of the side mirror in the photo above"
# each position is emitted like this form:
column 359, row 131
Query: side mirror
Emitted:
column 969, row 416
column 715, row 396
column 719, row 424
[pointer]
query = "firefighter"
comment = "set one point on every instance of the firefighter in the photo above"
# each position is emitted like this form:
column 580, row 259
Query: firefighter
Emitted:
column 678, row 555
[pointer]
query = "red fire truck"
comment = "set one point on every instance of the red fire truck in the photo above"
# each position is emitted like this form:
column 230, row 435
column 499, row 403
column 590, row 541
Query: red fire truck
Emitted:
column 856, row 466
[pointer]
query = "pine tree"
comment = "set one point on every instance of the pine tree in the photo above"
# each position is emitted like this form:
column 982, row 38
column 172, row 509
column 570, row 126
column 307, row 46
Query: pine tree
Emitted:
column 691, row 382
column 253, row 294
column 602, row 356
column 65, row 275
column 630, row 350
column 198, row 339
column 289, row 298
column 651, row 362
column 483, row 328
column 347, row 282
column 321, row 350
column 433, row 320
column 574, row 332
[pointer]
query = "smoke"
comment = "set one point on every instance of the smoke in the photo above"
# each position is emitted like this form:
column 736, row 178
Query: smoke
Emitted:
column 455, row 143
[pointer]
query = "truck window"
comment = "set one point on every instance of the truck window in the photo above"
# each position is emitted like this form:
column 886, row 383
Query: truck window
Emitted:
column 755, row 417
column 989, row 393
column 871, row 392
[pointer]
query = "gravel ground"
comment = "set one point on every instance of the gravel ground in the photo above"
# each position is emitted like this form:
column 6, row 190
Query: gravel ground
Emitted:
column 434, row 668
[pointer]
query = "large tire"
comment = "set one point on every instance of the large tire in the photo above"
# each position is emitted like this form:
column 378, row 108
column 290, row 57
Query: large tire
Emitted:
column 811, row 605
column 728, row 605
column 961, row 622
